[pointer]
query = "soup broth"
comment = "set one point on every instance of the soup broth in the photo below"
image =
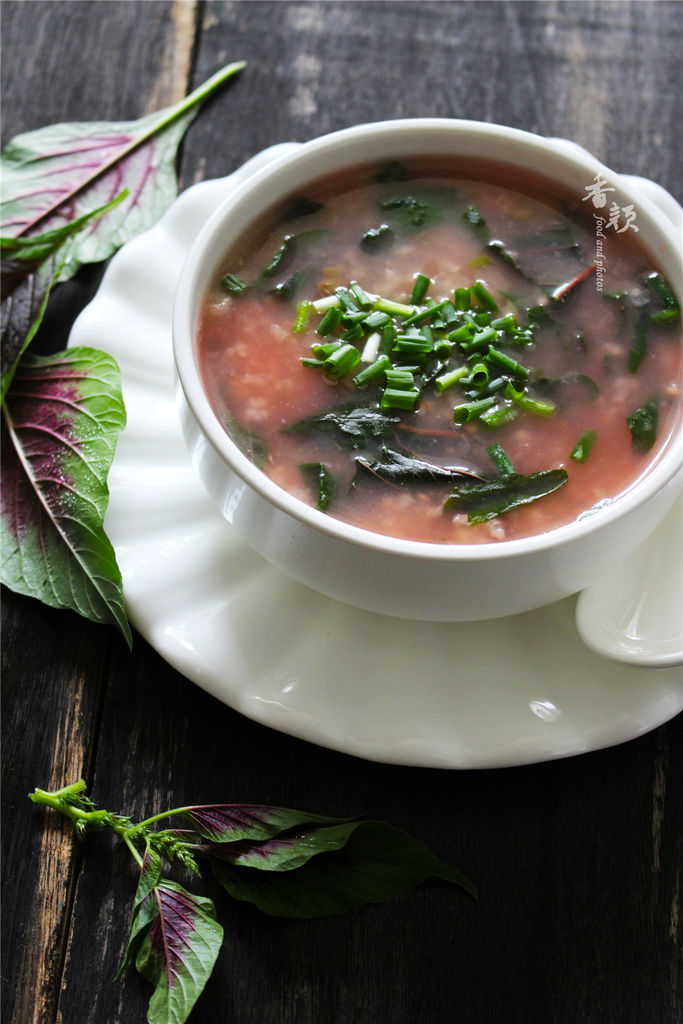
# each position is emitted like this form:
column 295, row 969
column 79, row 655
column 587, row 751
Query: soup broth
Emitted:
column 434, row 354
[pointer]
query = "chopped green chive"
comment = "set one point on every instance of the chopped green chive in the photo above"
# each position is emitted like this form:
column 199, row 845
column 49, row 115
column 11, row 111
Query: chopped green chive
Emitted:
column 330, row 321
column 428, row 313
column 393, row 308
column 504, row 361
column 377, row 319
column 327, row 302
column 362, row 298
column 420, row 288
column 303, row 311
column 447, row 380
column 373, row 372
column 498, row 416
column 471, row 410
column 480, row 340
column 482, row 295
column 394, row 398
column 463, row 334
column 479, row 375
column 234, row 285
column 500, row 459
column 322, row 351
column 583, row 446
column 342, row 360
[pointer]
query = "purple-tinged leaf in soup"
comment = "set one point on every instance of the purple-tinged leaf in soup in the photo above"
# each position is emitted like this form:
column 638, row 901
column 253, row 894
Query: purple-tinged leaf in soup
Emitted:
column 175, row 940
column 230, row 823
column 56, row 174
column 356, row 863
column 62, row 419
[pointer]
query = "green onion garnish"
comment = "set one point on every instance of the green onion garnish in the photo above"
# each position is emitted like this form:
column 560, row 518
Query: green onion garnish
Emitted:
column 446, row 380
column 322, row 351
column 498, row 416
column 394, row 398
column 529, row 404
column 420, row 288
column 511, row 366
column 505, row 323
column 362, row 298
column 471, row 410
column 234, row 285
column 393, row 308
column 377, row 319
column 583, row 446
column 500, row 459
column 483, row 296
column 428, row 313
column 373, row 372
column 342, row 360
column 480, row 340
column 463, row 334
column 303, row 311
column 330, row 321
column 479, row 375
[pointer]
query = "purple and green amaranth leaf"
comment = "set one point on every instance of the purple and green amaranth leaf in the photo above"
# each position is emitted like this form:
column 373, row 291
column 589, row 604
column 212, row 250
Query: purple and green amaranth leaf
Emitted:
column 62, row 418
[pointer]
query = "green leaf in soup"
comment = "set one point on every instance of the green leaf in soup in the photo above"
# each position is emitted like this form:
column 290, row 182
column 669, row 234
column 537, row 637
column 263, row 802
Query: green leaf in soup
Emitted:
column 337, row 868
column 351, row 424
column 408, row 209
column 175, row 939
column 56, row 174
column 62, row 419
column 321, row 480
column 395, row 467
column 486, row 499
column 643, row 424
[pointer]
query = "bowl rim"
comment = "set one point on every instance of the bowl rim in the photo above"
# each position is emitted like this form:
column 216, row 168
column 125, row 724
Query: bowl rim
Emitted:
column 666, row 465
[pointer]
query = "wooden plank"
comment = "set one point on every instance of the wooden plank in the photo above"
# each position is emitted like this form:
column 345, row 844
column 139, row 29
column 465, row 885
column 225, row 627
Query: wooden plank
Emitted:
column 54, row 663
column 578, row 861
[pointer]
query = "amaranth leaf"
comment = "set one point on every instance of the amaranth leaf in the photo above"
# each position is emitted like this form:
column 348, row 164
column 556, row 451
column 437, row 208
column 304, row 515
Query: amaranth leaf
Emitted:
column 56, row 174
column 175, row 939
column 28, row 276
column 229, row 823
column 329, row 870
column 62, row 417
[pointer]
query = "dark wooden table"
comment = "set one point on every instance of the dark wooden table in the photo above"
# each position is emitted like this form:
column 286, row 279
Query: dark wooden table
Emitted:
column 578, row 861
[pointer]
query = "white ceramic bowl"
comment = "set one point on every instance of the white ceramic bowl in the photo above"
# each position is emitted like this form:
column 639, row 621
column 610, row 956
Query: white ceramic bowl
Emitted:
column 398, row 577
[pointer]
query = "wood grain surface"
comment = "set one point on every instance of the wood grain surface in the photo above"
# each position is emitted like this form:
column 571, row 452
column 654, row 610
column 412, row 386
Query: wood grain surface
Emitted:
column 579, row 861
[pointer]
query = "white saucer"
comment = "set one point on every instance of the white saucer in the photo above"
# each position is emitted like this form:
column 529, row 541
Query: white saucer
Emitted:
column 487, row 694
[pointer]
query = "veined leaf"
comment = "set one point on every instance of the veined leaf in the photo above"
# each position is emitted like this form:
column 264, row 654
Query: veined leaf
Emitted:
column 328, row 870
column 21, row 256
column 21, row 314
column 229, row 823
column 62, row 417
column 175, row 939
column 55, row 174
column 28, row 275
